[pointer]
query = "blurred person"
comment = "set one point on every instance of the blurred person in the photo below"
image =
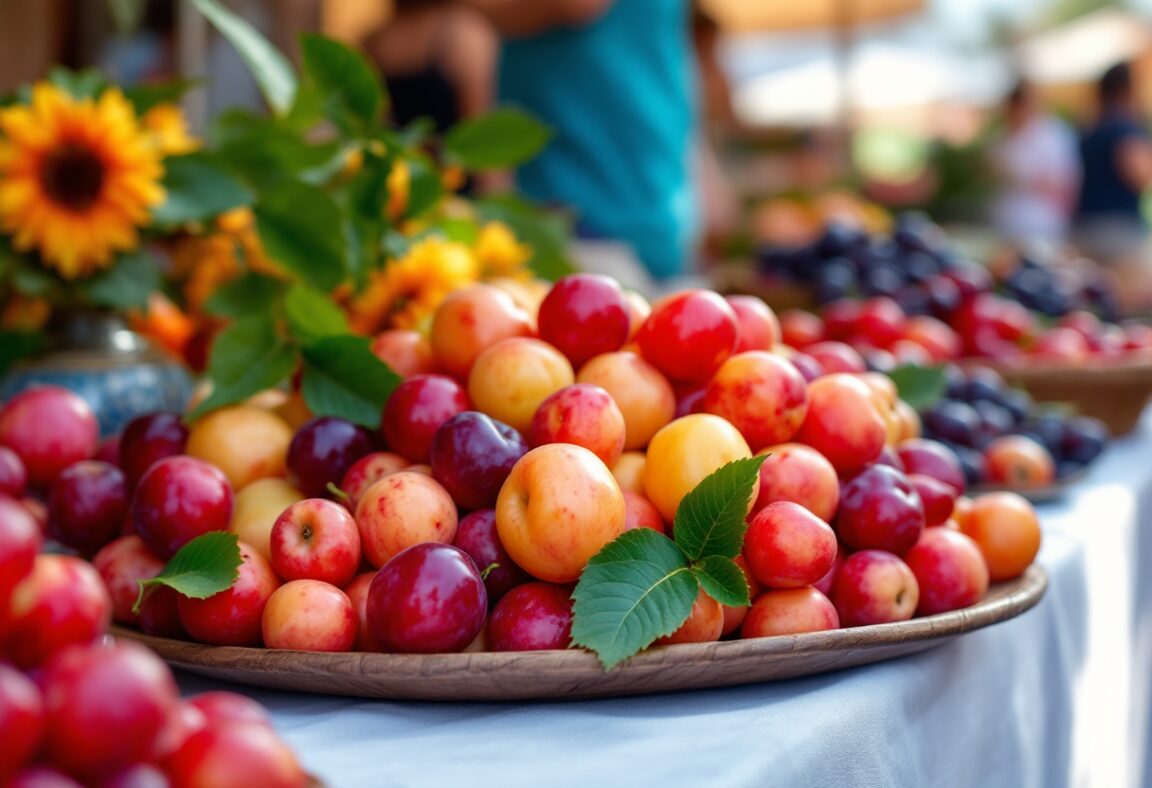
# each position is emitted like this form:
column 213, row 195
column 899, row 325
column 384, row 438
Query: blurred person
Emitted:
column 438, row 59
column 614, row 79
column 1039, row 171
column 1116, row 157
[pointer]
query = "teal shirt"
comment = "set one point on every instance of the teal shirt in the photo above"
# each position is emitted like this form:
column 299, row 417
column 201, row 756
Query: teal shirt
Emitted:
column 619, row 93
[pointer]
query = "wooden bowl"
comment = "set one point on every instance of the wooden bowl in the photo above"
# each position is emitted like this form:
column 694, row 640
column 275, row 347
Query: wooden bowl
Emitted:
column 1114, row 392
column 559, row 675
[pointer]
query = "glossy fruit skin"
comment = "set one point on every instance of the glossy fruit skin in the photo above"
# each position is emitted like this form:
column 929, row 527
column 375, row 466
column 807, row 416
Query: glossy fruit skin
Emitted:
column 178, row 499
column 322, row 451
column 61, row 603
column 87, row 503
column 879, row 510
column 640, row 513
column 786, row 546
column 232, row 617
column 703, row 625
column 512, row 378
column 256, row 508
column 757, row 327
column 20, row 540
column 761, row 394
column 416, row 410
column 836, row 357
column 1007, row 531
column 584, row 415
column 245, row 442
column 791, row 611
column 558, row 508
column 798, row 473
column 471, row 320
column 938, row 498
column 49, row 428
column 309, row 615
column 368, row 470
column 13, row 476
column 531, row 617
column 949, row 569
column 235, row 755
column 800, row 328
column 428, row 599
column 644, row 396
column 874, row 587
column 122, row 563
column 159, row 614
column 401, row 510
column 471, row 456
column 150, row 438
column 1018, row 461
column 406, row 352
column 934, row 459
column 478, row 537
column 841, row 423
column 220, row 708
column 105, row 707
column 140, row 775
column 357, row 592
column 41, row 777
column 584, row 315
column 21, row 720
column 734, row 616
column 688, row 335
column 316, row 539
column 683, row 453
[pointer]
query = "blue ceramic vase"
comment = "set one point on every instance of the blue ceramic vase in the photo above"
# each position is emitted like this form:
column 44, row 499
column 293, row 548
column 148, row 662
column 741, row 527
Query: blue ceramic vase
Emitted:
column 117, row 371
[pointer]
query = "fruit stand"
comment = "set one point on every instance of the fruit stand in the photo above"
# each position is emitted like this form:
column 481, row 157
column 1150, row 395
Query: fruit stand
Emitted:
column 422, row 504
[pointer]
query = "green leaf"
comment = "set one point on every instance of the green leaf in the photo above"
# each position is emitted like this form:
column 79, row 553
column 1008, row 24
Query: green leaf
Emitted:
column 127, row 284
column 247, row 357
column 88, row 83
column 424, row 186
column 271, row 70
column 342, row 377
column 145, row 97
column 352, row 93
column 722, row 579
column 196, row 188
column 249, row 294
column 636, row 589
column 18, row 345
column 207, row 565
column 920, row 387
column 311, row 315
column 34, row 282
column 710, row 518
column 502, row 138
column 300, row 227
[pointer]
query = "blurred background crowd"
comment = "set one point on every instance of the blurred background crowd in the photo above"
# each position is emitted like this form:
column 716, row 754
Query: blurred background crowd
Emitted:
column 692, row 131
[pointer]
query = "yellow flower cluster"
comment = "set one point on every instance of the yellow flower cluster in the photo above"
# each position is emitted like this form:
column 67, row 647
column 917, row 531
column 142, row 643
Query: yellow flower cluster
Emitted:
column 206, row 262
column 78, row 177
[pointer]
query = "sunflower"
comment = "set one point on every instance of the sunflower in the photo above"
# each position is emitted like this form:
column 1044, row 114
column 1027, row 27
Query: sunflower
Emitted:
column 406, row 292
column 77, row 178
column 168, row 129
column 500, row 254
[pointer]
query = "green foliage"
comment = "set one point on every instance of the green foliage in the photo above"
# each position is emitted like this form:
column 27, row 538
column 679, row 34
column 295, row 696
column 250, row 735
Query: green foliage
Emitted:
column 18, row 345
column 88, row 83
column 127, row 284
column 271, row 70
column 342, row 377
column 247, row 357
column 919, row 386
column 196, row 188
column 311, row 315
column 641, row 586
column 502, row 138
column 145, row 97
column 207, row 565
column 249, row 294
column 547, row 232
column 352, row 95
column 299, row 225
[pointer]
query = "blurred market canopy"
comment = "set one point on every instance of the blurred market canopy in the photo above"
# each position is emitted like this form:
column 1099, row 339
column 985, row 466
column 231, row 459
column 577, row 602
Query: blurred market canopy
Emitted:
column 1080, row 50
column 782, row 15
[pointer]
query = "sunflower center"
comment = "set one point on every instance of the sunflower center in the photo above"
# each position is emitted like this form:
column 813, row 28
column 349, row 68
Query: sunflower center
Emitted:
column 72, row 176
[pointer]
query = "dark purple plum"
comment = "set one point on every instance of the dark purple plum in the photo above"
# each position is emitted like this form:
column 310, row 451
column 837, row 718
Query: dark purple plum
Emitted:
column 87, row 504
column 150, row 438
column 954, row 422
column 476, row 535
column 1084, row 439
column 472, row 454
column 322, row 451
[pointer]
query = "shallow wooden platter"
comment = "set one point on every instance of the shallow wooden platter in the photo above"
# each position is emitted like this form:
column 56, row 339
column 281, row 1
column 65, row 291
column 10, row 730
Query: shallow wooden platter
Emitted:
column 559, row 675
column 1046, row 493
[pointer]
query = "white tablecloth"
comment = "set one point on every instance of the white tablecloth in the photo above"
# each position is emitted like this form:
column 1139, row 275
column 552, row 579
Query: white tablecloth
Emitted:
column 1058, row 696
